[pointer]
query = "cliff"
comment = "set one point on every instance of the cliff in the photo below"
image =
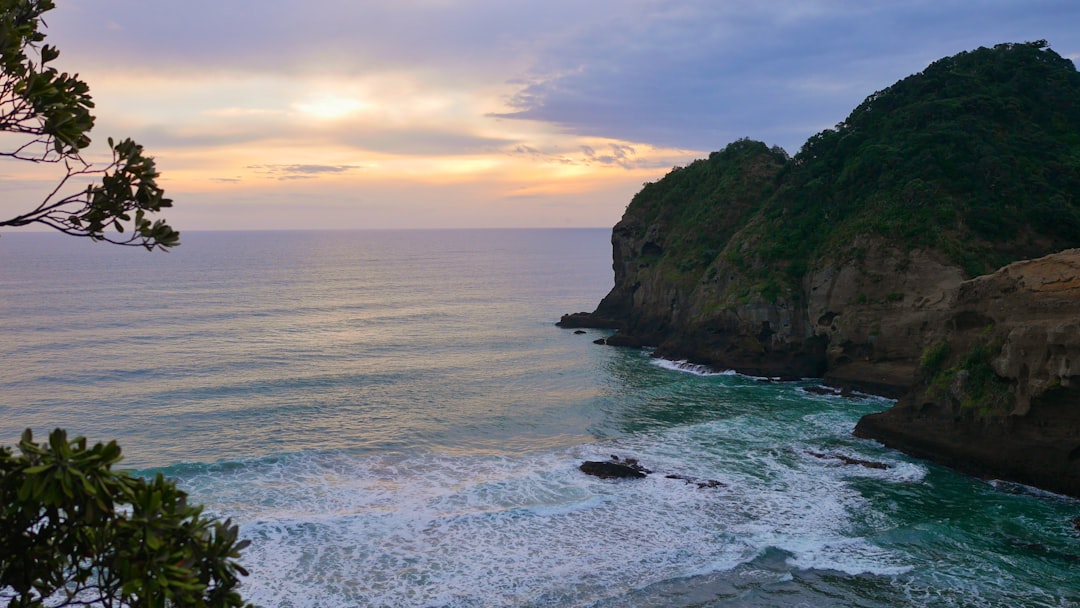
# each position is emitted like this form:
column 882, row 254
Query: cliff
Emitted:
column 854, row 258
column 996, row 394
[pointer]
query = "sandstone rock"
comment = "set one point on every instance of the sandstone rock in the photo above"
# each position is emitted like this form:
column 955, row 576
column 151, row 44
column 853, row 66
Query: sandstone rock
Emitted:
column 1004, row 401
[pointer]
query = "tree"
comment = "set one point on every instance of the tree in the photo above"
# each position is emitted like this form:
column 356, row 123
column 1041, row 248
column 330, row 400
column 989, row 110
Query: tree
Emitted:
column 74, row 532
column 47, row 114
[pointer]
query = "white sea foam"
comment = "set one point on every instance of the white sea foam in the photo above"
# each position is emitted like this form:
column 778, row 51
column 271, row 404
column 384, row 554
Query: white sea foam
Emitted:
column 482, row 532
column 533, row 530
column 691, row 368
column 832, row 394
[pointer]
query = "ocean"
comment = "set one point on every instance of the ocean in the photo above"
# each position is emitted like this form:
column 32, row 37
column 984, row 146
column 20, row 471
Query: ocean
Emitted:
column 393, row 419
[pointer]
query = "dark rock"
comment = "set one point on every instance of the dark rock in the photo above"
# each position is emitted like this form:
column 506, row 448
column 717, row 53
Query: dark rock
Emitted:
column 621, row 339
column 870, row 464
column 700, row 483
column 614, row 470
column 846, row 392
column 579, row 332
column 586, row 319
column 1076, row 523
column 630, row 468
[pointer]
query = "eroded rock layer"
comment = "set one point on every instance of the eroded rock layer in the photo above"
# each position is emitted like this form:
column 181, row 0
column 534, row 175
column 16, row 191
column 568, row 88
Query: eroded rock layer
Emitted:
column 998, row 392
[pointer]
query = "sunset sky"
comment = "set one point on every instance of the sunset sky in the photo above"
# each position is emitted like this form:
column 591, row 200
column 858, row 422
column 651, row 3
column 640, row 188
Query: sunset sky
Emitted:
column 482, row 113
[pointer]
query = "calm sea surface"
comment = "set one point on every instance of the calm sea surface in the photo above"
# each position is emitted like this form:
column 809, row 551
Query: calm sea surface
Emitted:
column 394, row 420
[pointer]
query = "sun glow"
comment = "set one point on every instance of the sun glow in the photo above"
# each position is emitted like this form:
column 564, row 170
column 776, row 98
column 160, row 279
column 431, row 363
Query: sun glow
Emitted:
column 384, row 150
column 330, row 107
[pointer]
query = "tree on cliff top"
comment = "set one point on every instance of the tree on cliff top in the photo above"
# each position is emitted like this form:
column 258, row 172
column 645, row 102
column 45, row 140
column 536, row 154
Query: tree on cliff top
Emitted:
column 47, row 115
column 74, row 532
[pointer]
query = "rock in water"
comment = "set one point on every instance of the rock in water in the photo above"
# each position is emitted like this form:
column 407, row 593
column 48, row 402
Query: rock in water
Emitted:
column 612, row 470
column 848, row 460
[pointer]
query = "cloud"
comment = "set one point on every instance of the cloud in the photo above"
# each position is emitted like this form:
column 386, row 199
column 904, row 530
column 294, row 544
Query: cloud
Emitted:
column 621, row 155
column 299, row 171
column 695, row 74
column 560, row 100
column 453, row 39
column 417, row 141
column 701, row 74
column 603, row 154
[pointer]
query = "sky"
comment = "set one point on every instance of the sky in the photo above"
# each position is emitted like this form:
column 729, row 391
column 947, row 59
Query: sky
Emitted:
column 361, row 114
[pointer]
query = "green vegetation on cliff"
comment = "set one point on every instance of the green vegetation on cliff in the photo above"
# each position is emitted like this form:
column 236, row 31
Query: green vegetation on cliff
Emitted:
column 704, row 204
column 977, row 157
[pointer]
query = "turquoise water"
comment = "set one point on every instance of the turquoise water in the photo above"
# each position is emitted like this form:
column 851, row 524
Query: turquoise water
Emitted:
column 394, row 420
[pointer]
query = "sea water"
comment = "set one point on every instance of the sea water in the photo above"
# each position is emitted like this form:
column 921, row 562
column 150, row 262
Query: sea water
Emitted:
column 394, row 420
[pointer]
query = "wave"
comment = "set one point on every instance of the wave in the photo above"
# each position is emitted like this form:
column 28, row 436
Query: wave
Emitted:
column 529, row 529
column 692, row 368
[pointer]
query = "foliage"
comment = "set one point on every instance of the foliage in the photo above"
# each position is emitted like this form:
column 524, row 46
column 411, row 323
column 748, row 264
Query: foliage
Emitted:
column 983, row 387
column 706, row 202
column 970, row 379
column 934, row 356
column 48, row 114
column 74, row 532
column 978, row 156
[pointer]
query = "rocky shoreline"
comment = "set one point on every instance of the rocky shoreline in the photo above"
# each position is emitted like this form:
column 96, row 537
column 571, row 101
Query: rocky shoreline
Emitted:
column 983, row 376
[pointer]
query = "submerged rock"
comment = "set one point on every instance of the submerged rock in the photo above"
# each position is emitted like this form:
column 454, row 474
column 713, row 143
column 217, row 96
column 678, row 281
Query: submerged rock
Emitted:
column 848, row 460
column 829, row 391
column 586, row 319
column 700, row 483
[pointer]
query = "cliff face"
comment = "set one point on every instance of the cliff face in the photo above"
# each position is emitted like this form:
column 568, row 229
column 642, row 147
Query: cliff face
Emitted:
column 998, row 392
column 675, row 286
column 877, row 314
column 850, row 260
